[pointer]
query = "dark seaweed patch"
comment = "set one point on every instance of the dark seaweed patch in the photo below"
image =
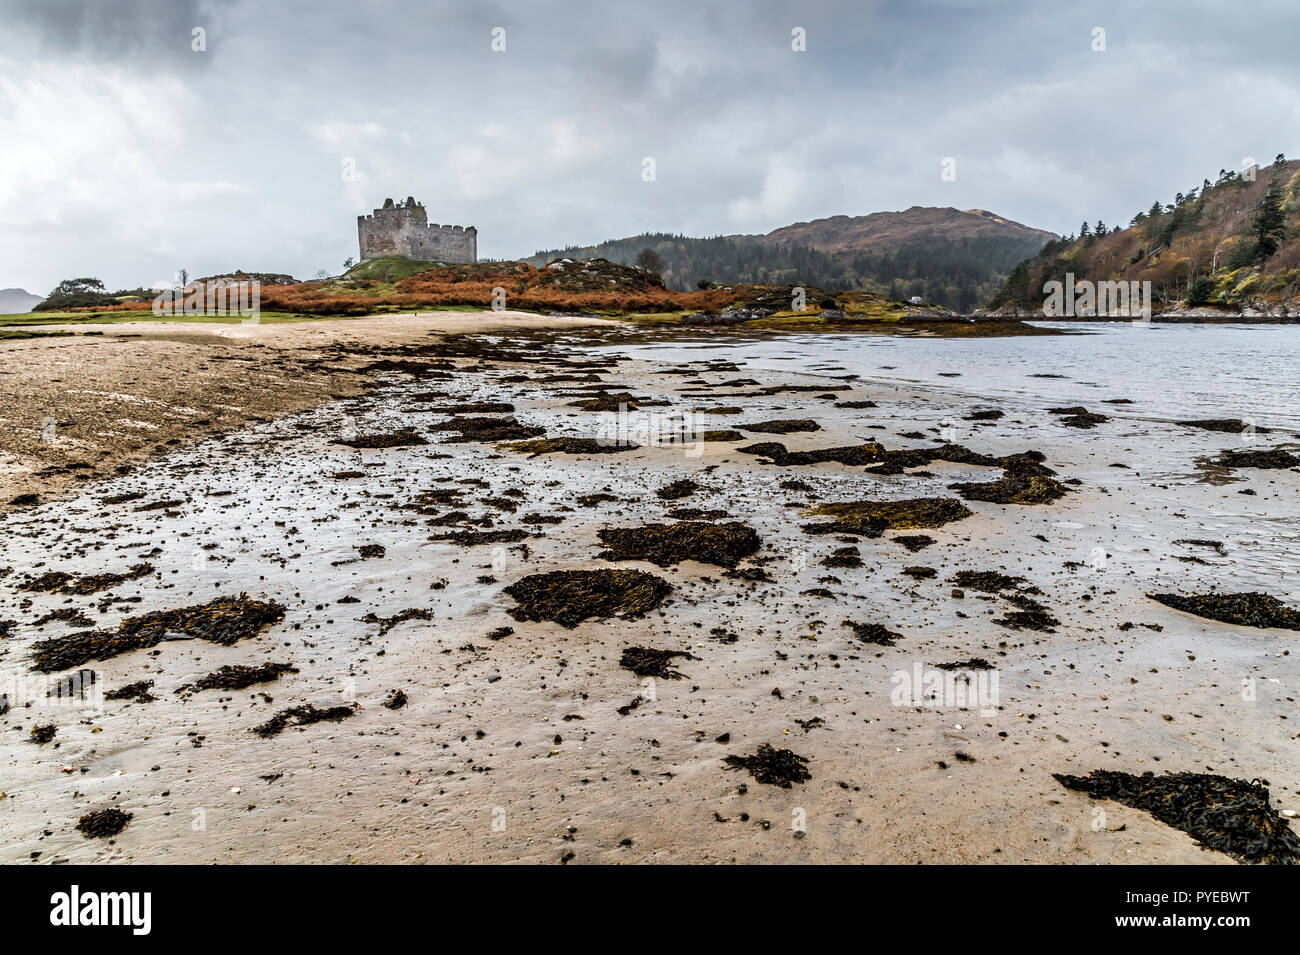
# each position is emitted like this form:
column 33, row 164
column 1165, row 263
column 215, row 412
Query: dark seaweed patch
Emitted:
column 1078, row 416
column 396, row 700
column 869, row 518
column 914, row 542
column 103, row 824
column 224, row 621
column 486, row 429
column 677, row 490
column 1232, row 816
column 776, row 767
column 974, row 663
column 875, row 633
column 609, row 401
column 1254, row 609
column 664, row 544
column 303, row 715
column 402, row 438
column 785, row 426
column 43, row 734
column 473, row 407
column 1013, row 488
column 62, row 583
column 1031, row 615
column 568, row 446
column 848, row 556
column 238, row 677
column 388, row 623
column 647, row 661
column 1272, row 458
column 137, row 692
column 986, row 581
column 72, row 616
column 569, row 597
column 1222, row 425
column 471, row 538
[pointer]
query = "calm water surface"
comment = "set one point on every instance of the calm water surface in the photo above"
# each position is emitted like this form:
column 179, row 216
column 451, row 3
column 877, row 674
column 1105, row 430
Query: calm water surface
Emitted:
column 1168, row 371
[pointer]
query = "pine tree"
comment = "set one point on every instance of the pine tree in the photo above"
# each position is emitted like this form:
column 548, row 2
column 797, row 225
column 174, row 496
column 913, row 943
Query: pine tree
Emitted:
column 1270, row 224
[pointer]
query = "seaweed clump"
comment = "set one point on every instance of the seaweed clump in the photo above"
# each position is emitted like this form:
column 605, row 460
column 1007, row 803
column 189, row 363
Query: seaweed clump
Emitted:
column 568, row 446
column 43, row 734
column 870, row 518
column 986, row 581
column 486, row 429
column 1077, row 416
column 1272, row 458
column 875, row 633
column 103, row 824
column 1031, row 615
column 569, row 597
column 647, row 661
column 914, row 542
column 402, row 438
column 303, row 715
column 1222, row 425
column 1232, row 816
column 1254, row 609
column 677, row 490
column 848, row 556
column 388, row 623
column 238, row 677
column 471, row 538
column 776, row 767
column 781, row 426
column 1016, row 486
column 58, row 582
column 663, row 544
column 137, row 692
column 223, row 621
column 395, row 700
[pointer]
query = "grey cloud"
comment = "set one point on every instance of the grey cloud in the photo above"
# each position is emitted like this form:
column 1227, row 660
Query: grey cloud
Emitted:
column 541, row 145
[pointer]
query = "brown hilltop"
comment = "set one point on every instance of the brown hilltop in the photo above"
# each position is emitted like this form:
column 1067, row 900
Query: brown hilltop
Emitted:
column 883, row 231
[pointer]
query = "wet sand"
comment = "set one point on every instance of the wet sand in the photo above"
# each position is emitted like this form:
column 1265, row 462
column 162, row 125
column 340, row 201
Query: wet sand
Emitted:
column 512, row 747
column 102, row 398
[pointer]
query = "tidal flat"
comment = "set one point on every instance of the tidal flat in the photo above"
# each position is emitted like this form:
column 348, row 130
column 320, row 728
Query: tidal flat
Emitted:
column 495, row 597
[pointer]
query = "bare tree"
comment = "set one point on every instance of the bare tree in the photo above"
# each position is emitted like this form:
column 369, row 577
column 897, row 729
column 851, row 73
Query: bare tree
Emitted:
column 648, row 260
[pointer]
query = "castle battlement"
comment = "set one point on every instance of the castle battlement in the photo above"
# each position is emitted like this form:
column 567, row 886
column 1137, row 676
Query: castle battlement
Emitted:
column 402, row 228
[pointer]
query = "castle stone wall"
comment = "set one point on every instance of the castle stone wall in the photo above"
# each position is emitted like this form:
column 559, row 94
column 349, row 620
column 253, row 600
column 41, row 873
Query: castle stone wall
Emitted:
column 404, row 229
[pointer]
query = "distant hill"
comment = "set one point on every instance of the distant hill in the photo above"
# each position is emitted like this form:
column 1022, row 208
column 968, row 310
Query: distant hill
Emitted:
column 14, row 301
column 882, row 231
column 1231, row 245
column 946, row 257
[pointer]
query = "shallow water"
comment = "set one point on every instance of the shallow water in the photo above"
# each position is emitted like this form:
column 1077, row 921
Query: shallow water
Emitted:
column 1170, row 372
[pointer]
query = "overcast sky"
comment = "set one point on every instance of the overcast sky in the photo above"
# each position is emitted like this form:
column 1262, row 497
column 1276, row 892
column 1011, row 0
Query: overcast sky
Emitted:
column 126, row 154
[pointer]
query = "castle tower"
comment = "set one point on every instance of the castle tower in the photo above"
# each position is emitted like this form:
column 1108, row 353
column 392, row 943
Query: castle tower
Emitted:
column 403, row 229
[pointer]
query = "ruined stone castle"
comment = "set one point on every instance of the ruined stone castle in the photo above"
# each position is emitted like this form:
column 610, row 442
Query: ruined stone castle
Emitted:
column 403, row 229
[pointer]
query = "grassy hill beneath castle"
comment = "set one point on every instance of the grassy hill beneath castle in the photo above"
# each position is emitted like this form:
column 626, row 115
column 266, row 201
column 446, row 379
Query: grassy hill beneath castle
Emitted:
column 1232, row 245
column 951, row 258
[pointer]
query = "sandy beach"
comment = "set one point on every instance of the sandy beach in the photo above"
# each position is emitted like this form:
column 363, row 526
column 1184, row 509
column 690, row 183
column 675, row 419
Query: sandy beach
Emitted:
column 229, row 460
column 103, row 396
